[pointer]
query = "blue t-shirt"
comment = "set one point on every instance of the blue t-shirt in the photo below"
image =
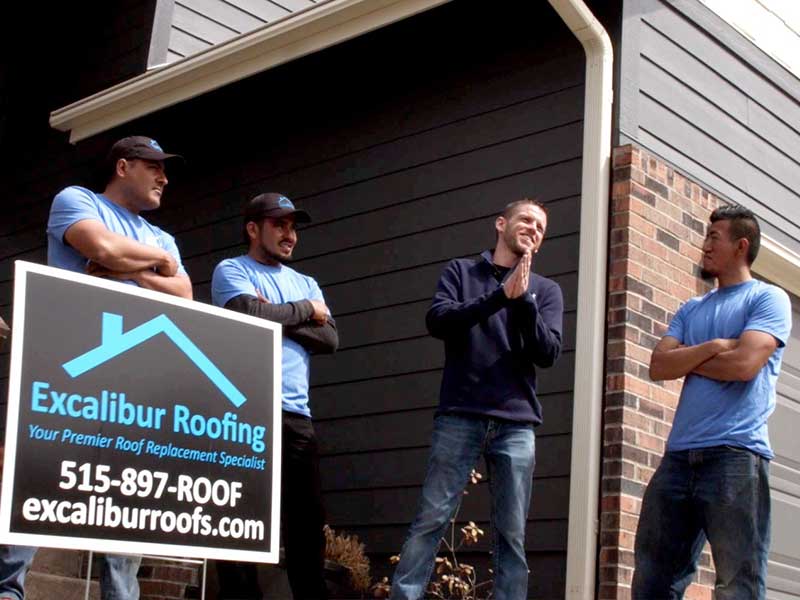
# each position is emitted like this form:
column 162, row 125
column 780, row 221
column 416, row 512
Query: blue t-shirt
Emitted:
column 75, row 204
column 732, row 413
column 278, row 284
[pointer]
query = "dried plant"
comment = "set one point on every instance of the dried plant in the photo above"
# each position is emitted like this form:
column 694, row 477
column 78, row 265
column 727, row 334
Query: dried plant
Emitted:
column 452, row 579
column 348, row 551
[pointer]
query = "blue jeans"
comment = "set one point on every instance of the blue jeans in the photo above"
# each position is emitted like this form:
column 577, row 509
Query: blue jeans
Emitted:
column 117, row 579
column 720, row 494
column 456, row 445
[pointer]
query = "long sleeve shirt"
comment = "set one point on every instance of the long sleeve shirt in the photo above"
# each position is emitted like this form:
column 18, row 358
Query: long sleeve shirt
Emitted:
column 493, row 344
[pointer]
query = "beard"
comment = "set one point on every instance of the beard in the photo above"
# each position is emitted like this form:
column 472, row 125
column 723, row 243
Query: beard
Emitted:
column 274, row 257
column 707, row 275
column 512, row 243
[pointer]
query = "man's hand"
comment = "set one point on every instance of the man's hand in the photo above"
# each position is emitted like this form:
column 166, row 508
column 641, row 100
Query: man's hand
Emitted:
column 261, row 298
column 321, row 312
column 517, row 283
column 168, row 267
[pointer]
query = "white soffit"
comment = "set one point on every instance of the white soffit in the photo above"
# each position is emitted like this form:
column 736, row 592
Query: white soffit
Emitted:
column 259, row 50
column 778, row 264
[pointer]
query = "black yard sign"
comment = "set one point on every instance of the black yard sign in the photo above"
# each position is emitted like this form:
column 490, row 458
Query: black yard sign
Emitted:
column 139, row 423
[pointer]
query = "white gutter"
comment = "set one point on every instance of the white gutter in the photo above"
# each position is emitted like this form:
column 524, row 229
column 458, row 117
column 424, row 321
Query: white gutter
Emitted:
column 592, row 280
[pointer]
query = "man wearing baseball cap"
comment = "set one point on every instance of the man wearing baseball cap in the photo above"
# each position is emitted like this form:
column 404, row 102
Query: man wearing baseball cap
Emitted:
column 261, row 284
column 103, row 234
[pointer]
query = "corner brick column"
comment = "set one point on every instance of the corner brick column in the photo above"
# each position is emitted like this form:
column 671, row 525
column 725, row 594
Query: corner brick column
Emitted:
column 658, row 224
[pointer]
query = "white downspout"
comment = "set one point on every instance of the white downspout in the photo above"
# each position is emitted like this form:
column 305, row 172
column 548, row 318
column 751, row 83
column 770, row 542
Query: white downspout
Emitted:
column 592, row 277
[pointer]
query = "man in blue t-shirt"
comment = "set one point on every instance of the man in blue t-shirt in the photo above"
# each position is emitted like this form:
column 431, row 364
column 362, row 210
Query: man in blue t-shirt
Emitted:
column 713, row 481
column 260, row 283
column 103, row 234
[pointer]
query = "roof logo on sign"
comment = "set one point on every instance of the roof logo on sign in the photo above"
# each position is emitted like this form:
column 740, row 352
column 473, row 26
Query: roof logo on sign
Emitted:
column 114, row 343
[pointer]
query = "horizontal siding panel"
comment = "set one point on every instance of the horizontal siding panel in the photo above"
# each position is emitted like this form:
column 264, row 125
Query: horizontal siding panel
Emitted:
column 413, row 391
column 409, row 356
column 406, row 467
column 264, row 10
column 201, row 27
column 728, row 96
column 373, row 396
column 185, row 44
column 405, row 321
column 551, row 155
column 224, row 13
column 381, row 432
column 352, row 221
column 418, row 283
column 39, row 255
column 751, row 146
column 475, row 166
column 463, row 239
column 454, row 139
column 550, row 500
column 348, row 135
column 700, row 100
column 293, row 5
column 717, row 165
column 674, row 26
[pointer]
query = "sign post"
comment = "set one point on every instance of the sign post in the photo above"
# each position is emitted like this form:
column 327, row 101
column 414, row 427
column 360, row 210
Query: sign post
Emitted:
column 139, row 423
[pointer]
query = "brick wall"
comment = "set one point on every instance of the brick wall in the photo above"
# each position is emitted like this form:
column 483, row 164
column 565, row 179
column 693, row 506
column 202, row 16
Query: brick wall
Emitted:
column 161, row 579
column 657, row 228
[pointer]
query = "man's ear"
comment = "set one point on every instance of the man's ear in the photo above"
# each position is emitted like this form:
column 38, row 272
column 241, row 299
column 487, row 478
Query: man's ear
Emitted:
column 500, row 224
column 743, row 246
column 121, row 167
column 252, row 230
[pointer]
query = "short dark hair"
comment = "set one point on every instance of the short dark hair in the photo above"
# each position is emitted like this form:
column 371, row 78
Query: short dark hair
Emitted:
column 511, row 207
column 743, row 225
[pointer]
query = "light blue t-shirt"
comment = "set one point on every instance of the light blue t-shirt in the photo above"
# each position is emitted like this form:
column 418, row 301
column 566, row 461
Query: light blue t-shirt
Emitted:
column 75, row 204
column 278, row 284
column 732, row 413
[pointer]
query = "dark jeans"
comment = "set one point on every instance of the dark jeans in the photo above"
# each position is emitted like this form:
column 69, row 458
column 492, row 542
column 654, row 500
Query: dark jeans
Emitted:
column 720, row 494
column 302, row 520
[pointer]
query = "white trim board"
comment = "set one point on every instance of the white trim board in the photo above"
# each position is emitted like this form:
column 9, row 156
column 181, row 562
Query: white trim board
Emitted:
column 246, row 55
column 778, row 264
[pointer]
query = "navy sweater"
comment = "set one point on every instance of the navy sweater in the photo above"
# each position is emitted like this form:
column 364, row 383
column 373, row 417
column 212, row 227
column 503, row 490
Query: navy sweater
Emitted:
column 493, row 344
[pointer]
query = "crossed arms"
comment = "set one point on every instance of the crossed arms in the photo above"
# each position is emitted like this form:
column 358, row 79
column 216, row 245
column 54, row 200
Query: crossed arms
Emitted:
column 307, row 322
column 721, row 359
column 118, row 257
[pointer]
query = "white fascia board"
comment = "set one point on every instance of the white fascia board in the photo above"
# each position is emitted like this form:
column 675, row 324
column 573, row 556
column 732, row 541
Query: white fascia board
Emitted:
column 259, row 50
column 778, row 264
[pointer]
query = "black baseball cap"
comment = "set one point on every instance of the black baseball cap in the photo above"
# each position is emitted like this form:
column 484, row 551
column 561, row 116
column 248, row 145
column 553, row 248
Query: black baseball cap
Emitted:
column 271, row 205
column 138, row 146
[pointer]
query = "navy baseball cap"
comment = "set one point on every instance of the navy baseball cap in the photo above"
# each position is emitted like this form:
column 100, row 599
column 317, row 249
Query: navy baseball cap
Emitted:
column 138, row 146
column 271, row 205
